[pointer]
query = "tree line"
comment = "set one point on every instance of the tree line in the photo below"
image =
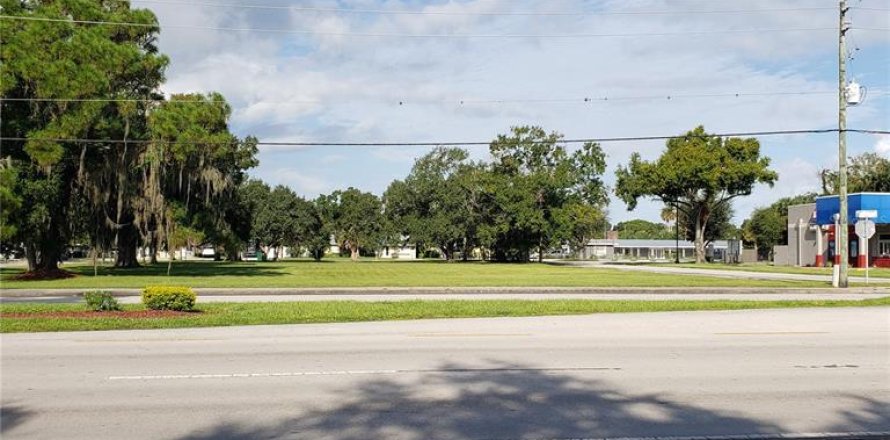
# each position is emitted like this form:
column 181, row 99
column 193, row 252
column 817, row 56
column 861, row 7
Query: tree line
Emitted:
column 532, row 195
column 96, row 154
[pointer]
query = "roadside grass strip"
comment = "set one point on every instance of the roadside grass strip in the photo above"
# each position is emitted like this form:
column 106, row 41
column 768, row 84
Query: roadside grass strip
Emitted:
column 881, row 275
column 17, row 318
column 336, row 273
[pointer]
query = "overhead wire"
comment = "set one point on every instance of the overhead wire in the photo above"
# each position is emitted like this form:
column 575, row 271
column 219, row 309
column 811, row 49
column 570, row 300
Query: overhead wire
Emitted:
column 465, row 101
column 409, row 35
column 468, row 144
column 297, row 8
column 862, row 8
column 458, row 101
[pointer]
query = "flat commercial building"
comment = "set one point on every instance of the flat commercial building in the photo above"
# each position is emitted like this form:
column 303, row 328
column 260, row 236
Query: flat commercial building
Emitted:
column 655, row 250
column 811, row 232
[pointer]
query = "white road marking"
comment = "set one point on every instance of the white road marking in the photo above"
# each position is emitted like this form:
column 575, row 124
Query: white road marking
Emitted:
column 354, row 373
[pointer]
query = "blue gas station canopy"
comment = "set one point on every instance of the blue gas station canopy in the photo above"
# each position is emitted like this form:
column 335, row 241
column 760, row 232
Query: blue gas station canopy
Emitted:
column 828, row 206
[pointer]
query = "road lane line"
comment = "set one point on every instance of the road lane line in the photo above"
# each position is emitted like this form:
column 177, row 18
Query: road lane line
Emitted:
column 355, row 373
column 768, row 333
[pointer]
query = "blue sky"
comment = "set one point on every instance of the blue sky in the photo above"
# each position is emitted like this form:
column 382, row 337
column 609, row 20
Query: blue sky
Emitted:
column 325, row 85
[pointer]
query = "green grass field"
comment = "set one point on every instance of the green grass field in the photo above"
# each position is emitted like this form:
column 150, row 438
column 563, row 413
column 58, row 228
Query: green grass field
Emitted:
column 231, row 314
column 340, row 273
column 769, row 268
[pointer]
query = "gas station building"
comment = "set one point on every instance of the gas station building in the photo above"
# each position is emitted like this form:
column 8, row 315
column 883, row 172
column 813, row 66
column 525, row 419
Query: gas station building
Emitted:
column 811, row 232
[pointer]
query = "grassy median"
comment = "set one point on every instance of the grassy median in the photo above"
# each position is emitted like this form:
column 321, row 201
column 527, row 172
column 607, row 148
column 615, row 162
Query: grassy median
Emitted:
column 43, row 317
column 370, row 273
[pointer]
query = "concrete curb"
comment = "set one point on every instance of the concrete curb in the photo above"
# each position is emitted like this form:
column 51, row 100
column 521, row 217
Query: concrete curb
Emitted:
column 274, row 291
column 712, row 272
column 801, row 436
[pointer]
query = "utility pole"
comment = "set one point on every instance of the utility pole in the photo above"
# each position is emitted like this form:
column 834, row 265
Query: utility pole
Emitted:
column 843, row 232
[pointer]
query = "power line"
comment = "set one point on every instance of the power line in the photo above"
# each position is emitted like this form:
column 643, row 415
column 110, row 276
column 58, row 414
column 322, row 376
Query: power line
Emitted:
column 862, row 8
column 582, row 100
column 870, row 131
column 403, row 35
column 666, row 97
column 466, row 13
column 468, row 144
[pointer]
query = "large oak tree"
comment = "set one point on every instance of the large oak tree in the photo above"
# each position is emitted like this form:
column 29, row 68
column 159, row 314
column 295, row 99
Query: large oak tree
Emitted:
column 534, row 177
column 52, row 72
column 698, row 173
column 145, row 157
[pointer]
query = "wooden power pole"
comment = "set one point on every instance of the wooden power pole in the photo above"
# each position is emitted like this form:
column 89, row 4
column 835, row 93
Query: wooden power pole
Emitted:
column 843, row 232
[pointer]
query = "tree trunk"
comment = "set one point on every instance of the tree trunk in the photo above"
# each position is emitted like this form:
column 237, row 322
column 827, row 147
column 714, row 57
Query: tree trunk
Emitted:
column 44, row 257
column 31, row 256
column 152, row 248
column 699, row 242
column 353, row 251
column 447, row 253
column 127, row 244
column 232, row 254
column 48, row 260
column 701, row 222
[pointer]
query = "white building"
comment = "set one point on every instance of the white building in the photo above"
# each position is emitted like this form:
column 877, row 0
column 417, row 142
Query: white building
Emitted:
column 654, row 250
column 401, row 252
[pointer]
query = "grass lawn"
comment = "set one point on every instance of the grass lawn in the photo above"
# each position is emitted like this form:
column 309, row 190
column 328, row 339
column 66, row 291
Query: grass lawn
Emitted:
column 230, row 314
column 769, row 268
column 340, row 273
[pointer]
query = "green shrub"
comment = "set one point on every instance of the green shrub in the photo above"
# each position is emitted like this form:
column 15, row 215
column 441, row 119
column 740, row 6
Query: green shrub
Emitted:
column 101, row 301
column 169, row 298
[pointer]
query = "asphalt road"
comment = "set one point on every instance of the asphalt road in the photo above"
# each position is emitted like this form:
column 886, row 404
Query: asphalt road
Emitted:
column 666, row 374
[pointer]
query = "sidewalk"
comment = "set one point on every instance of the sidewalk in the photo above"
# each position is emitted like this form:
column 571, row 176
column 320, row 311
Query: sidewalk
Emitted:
column 717, row 272
column 405, row 294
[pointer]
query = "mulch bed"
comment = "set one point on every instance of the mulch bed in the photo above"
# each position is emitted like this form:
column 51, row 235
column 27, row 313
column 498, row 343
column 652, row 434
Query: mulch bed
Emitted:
column 129, row 314
column 44, row 274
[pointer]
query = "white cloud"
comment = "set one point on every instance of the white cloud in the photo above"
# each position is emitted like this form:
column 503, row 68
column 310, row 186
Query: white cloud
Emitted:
column 882, row 146
column 292, row 87
column 333, row 158
column 306, row 185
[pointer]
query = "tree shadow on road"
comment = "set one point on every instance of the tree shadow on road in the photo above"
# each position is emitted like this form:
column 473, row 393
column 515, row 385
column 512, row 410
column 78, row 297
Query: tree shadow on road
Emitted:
column 12, row 416
column 869, row 416
column 505, row 402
